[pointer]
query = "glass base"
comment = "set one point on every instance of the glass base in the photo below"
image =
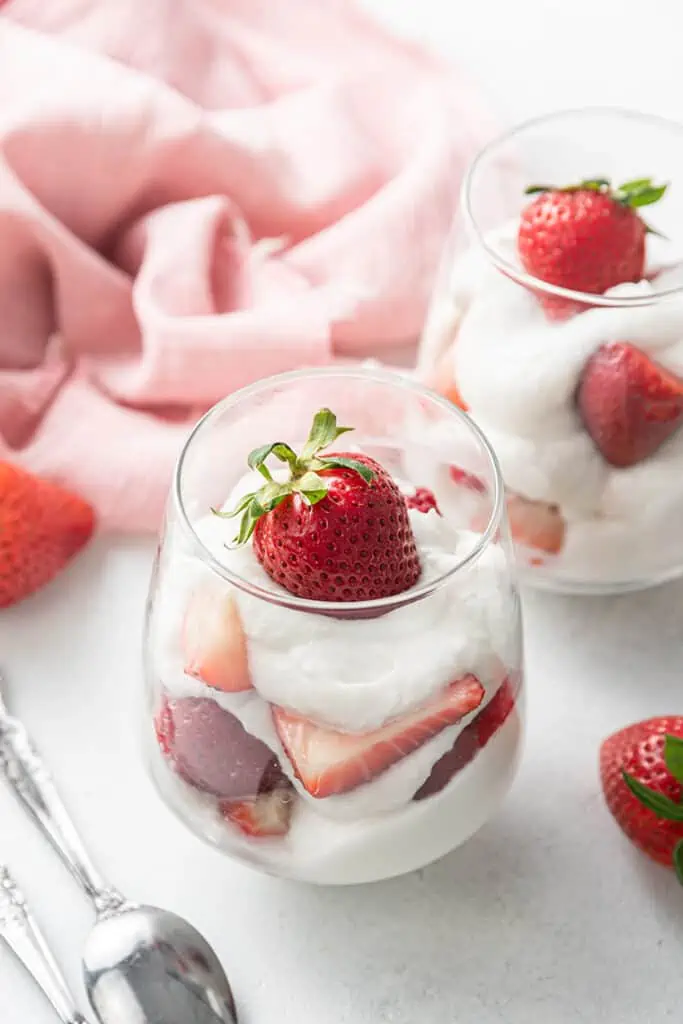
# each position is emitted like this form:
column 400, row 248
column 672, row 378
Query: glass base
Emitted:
column 537, row 579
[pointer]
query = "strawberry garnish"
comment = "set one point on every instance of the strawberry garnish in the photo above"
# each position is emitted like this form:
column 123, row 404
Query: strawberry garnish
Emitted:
column 641, row 769
column 211, row 750
column 630, row 405
column 328, row 762
column 470, row 741
column 336, row 529
column 214, row 642
column 266, row 816
column 42, row 526
column 586, row 237
column 423, row 500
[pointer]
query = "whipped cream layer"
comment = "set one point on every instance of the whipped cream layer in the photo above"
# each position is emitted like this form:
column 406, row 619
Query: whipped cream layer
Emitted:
column 519, row 372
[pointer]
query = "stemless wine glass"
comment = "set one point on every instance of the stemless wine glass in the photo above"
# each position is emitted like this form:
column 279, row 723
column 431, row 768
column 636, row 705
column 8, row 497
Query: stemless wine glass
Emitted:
column 581, row 395
column 335, row 742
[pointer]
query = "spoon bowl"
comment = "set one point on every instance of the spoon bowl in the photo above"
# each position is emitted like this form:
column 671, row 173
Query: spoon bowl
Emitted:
column 145, row 964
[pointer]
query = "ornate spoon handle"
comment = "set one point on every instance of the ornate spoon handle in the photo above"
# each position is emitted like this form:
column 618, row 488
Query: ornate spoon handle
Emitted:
column 24, row 938
column 32, row 783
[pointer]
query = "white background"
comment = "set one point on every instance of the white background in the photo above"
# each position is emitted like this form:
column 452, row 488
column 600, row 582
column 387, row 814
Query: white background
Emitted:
column 546, row 915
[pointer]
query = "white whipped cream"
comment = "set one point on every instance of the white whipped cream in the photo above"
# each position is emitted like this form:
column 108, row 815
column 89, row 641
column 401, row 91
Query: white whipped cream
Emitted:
column 519, row 373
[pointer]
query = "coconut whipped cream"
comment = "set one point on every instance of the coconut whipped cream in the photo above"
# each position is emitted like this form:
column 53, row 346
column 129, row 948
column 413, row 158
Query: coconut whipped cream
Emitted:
column 519, row 372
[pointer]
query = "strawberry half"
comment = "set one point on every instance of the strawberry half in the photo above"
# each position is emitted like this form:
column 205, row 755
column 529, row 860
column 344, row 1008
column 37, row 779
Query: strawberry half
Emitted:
column 214, row 642
column 266, row 816
column 630, row 405
column 587, row 237
column 536, row 524
column 328, row 762
column 641, row 769
column 337, row 529
column 42, row 527
column 470, row 741
column 211, row 749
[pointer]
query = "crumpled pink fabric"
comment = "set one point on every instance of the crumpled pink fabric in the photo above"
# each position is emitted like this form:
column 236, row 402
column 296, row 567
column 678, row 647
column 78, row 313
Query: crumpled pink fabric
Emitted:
column 194, row 195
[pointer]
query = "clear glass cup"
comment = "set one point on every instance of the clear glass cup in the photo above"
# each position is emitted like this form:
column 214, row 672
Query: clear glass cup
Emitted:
column 420, row 693
column 512, row 351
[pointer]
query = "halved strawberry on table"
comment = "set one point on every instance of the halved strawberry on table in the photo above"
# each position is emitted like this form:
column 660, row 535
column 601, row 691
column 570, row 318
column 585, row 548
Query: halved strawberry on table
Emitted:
column 629, row 404
column 214, row 643
column 641, row 770
column 587, row 237
column 42, row 527
column 329, row 762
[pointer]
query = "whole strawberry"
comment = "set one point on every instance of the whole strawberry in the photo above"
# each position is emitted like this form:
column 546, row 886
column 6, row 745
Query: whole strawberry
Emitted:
column 42, row 526
column 337, row 529
column 586, row 237
column 641, row 769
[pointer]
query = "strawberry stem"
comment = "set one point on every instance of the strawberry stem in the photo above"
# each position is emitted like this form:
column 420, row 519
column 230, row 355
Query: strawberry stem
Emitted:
column 303, row 479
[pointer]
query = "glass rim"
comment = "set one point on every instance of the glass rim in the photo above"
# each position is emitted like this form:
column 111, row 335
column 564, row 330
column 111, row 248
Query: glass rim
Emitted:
column 381, row 604
column 521, row 276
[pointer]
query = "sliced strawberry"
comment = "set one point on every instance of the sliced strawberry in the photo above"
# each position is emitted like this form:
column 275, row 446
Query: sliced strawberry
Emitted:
column 211, row 749
column 214, row 641
column 463, row 478
column 470, row 741
column 630, row 405
column 423, row 500
column 267, row 815
column 329, row 762
column 443, row 381
column 536, row 524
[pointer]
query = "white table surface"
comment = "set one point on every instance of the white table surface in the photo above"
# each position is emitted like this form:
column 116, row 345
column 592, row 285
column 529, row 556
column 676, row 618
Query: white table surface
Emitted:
column 547, row 914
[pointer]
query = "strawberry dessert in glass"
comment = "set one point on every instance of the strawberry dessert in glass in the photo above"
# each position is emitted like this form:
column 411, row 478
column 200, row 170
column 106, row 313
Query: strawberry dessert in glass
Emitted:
column 334, row 665
column 557, row 323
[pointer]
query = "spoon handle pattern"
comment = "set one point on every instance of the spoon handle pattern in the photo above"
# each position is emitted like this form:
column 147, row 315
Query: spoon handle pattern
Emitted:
column 32, row 783
column 22, row 935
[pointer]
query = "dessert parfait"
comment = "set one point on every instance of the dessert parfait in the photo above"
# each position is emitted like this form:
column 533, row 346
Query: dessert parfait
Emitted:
column 333, row 665
column 558, row 325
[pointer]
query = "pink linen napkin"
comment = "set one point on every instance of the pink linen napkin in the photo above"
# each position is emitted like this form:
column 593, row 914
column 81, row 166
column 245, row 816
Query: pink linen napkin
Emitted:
column 195, row 195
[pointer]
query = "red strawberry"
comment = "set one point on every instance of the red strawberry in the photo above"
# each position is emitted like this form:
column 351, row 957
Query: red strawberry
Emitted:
column 587, row 237
column 535, row 524
column 337, row 529
column 470, row 741
column 42, row 526
column 267, row 815
column 462, row 478
column 214, row 642
column 423, row 500
column 328, row 761
column 629, row 404
column 641, row 768
column 211, row 750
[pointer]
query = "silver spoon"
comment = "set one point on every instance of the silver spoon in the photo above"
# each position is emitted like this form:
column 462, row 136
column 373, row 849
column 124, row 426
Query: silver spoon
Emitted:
column 23, row 936
column 141, row 965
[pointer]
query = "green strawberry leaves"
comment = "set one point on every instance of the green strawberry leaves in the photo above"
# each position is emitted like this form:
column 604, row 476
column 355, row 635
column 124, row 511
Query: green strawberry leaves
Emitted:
column 303, row 479
column 635, row 193
column 660, row 804
column 673, row 756
column 678, row 861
